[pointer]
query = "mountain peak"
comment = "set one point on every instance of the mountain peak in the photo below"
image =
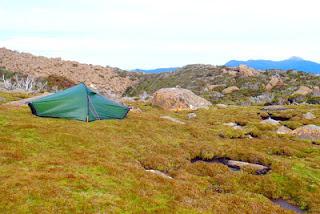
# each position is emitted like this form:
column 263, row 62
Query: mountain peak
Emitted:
column 296, row 58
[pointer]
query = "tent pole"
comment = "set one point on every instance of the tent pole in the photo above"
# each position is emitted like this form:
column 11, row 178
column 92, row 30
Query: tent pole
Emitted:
column 87, row 118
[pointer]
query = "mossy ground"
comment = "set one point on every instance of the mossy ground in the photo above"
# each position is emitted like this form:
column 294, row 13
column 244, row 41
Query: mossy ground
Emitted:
column 56, row 165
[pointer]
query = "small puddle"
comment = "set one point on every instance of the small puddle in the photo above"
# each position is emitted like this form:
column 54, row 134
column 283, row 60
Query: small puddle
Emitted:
column 285, row 205
column 234, row 165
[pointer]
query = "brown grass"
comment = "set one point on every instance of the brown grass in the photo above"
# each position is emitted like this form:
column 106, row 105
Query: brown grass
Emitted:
column 55, row 165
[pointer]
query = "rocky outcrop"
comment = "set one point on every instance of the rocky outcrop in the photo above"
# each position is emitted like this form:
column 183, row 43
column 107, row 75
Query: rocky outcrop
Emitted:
column 307, row 132
column 107, row 80
column 242, row 70
column 275, row 81
column 230, row 90
column 303, row 91
column 177, row 99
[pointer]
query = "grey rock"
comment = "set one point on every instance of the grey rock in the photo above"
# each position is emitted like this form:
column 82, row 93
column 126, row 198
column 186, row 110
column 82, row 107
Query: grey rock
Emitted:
column 175, row 120
column 192, row 115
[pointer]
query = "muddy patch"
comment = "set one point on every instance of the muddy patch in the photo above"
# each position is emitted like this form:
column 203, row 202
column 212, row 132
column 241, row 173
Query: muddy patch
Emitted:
column 235, row 165
column 285, row 205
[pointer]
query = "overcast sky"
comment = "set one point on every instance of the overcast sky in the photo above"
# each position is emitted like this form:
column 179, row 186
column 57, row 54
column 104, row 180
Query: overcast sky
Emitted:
column 162, row 33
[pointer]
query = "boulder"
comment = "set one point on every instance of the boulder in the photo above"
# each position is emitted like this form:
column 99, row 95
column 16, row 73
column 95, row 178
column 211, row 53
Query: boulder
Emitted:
column 309, row 116
column 135, row 110
column 192, row 115
column 230, row 90
column 303, row 91
column 307, row 132
column 177, row 99
column 284, row 130
column 275, row 81
column 270, row 121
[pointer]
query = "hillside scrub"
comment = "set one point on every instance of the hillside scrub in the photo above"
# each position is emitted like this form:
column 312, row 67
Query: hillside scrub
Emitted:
column 55, row 165
column 209, row 82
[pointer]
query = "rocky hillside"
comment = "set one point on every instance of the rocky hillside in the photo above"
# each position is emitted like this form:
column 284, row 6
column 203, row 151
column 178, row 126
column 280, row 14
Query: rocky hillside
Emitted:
column 236, row 85
column 107, row 80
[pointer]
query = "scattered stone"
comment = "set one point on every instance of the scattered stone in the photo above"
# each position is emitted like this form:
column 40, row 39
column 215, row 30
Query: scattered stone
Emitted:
column 233, row 125
column 274, row 108
column 177, row 99
column 275, row 81
column 175, row 120
column 309, row 116
column 2, row 99
column 260, row 169
column 230, row 90
column 221, row 106
column 261, row 99
column 307, row 132
column 157, row 172
column 192, row 115
column 303, row 90
column 136, row 110
column 270, row 121
column 284, row 130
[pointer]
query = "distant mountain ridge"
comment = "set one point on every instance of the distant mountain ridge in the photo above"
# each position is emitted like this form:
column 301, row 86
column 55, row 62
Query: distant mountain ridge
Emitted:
column 156, row 70
column 295, row 63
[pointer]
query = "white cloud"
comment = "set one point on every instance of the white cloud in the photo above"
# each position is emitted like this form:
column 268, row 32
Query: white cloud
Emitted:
column 146, row 33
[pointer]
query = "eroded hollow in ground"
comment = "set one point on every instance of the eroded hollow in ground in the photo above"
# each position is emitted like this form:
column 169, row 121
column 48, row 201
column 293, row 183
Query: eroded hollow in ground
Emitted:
column 285, row 205
column 235, row 165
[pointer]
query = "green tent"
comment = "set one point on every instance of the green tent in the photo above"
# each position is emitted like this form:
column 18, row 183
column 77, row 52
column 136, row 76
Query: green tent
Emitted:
column 79, row 103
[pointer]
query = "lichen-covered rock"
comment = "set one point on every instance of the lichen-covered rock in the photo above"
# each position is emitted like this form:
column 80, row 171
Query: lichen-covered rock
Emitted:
column 284, row 130
column 230, row 89
column 177, row 99
column 309, row 116
column 270, row 121
column 307, row 132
